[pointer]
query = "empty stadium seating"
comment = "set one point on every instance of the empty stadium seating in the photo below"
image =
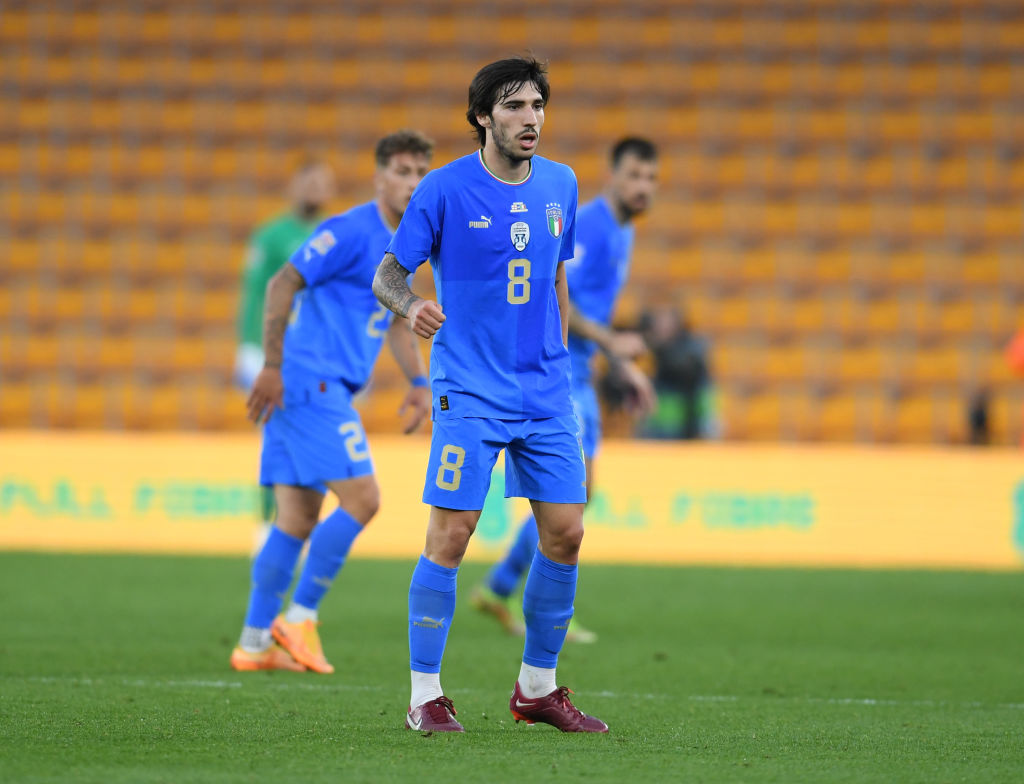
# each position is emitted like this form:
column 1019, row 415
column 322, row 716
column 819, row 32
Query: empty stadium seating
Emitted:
column 840, row 209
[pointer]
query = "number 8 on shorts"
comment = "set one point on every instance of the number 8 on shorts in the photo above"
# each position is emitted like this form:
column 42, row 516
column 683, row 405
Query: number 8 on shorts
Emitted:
column 452, row 458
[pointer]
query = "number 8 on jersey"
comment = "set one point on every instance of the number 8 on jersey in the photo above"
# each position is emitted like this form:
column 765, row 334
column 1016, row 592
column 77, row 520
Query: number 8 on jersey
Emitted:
column 518, row 281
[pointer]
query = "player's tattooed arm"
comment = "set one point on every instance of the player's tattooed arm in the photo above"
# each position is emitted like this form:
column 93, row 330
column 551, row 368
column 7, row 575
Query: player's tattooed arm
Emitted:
column 393, row 292
column 267, row 391
column 391, row 288
column 277, row 308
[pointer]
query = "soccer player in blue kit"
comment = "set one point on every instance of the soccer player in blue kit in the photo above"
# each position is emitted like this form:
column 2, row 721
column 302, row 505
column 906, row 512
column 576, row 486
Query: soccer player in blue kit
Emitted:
column 323, row 330
column 597, row 273
column 498, row 226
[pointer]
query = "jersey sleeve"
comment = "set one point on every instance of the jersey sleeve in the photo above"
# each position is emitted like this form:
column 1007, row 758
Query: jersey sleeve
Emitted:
column 419, row 234
column 569, row 232
column 321, row 256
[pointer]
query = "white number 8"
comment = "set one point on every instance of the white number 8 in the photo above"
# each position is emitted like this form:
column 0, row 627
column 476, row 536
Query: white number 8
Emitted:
column 447, row 464
column 515, row 278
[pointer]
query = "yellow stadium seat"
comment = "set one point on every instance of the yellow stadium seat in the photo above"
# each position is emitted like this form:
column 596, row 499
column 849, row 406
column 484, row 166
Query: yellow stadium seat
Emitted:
column 860, row 363
column 88, row 406
column 756, row 417
column 942, row 363
column 782, row 362
column 18, row 396
column 834, row 418
column 878, row 316
column 737, row 360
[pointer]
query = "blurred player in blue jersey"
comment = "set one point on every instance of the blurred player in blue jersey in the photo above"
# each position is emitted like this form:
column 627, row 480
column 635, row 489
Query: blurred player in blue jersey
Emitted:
column 597, row 273
column 498, row 226
column 270, row 247
column 323, row 330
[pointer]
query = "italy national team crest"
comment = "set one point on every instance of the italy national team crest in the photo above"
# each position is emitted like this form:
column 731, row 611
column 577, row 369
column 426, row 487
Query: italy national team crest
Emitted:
column 554, row 212
column 520, row 235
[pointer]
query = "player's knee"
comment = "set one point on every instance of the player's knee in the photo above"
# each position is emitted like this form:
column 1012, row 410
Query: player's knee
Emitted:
column 365, row 504
column 369, row 505
column 448, row 537
column 359, row 497
column 296, row 520
column 572, row 540
column 458, row 531
column 563, row 545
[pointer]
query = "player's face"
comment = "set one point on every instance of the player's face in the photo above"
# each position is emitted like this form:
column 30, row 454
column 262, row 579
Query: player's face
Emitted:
column 633, row 184
column 313, row 188
column 515, row 123
column 398, row 179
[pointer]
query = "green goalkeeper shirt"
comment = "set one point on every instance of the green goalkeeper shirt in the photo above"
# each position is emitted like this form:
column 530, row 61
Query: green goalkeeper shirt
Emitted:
column 270, row 246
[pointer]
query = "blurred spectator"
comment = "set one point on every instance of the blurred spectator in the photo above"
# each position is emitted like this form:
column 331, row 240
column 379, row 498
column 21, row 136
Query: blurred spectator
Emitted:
column 271, row 245
column 978, row 418
column 682, row 377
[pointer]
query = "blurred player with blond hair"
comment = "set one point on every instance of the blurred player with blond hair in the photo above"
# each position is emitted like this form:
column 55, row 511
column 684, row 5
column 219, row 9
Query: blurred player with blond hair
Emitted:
column 270, row 247
column 322, row 333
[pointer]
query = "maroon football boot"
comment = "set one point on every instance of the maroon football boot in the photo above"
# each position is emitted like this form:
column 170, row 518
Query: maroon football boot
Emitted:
column 555, row 709
column 434, row 716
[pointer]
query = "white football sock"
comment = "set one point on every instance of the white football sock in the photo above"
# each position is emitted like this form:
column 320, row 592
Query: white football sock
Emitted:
column 254, row 639
column 297, row 614
column 426, row 686
column 536, row 681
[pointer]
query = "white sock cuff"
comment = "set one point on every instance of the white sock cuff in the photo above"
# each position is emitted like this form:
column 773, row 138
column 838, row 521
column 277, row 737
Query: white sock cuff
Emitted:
column 536, row 681
column 426, row 686
column 296, row 613
column 254, row 639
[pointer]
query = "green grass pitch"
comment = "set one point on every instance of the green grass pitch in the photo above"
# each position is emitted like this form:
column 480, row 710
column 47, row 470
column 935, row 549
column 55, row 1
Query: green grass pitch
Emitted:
column 114, row 669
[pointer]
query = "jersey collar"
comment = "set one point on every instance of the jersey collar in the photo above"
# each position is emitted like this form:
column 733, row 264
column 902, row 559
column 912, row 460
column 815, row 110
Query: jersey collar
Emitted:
column 526, row 179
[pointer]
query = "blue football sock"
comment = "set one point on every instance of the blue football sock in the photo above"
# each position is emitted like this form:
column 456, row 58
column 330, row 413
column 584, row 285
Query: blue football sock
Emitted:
column 505, row 575
column 328, row 548
column 431, row 607
column 272, row 572
column 547, row 607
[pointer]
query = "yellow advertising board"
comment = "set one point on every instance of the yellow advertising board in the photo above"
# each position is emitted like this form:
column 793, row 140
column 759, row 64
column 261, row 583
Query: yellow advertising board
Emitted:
column 655, row 502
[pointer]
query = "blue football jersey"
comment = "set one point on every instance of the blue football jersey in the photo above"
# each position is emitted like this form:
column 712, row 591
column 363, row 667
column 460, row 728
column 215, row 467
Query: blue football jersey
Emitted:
column 494, row 248
column 597, row 274
column 337, row 327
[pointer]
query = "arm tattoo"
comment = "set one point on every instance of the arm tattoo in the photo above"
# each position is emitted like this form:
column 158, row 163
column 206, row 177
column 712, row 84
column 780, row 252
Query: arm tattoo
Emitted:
column 390, row 288
column 276, row 310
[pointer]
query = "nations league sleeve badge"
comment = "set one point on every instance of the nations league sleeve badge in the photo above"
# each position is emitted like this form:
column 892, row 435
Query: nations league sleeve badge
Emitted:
column 520, row 235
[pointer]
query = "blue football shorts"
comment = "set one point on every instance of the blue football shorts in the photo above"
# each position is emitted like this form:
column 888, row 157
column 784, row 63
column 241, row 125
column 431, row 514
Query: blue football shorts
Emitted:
column 315, row 440
column 543, row 461
column 588, row 412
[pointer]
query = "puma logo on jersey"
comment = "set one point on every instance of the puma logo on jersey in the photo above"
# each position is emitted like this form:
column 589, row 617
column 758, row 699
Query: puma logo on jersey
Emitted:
column 483, row 223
